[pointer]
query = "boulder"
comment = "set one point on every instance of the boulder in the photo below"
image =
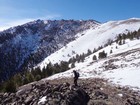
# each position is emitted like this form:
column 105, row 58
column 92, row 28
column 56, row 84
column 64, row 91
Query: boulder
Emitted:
column 77, row 97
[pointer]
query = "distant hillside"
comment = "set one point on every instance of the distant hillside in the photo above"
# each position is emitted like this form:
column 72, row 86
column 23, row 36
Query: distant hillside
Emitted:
column 25, row 46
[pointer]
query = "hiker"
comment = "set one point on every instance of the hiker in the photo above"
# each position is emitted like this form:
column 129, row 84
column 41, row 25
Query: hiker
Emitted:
column 76, row 76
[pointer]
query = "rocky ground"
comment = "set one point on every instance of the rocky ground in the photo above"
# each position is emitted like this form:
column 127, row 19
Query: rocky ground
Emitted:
column 63, row 92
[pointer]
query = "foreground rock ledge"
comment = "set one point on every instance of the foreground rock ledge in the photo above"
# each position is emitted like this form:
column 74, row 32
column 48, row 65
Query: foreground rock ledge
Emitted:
column 54, row 94
column 62, row 92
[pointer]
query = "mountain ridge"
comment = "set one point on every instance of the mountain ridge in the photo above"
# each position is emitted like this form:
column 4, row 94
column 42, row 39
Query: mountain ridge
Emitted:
column 109, row 31
column 24, row 46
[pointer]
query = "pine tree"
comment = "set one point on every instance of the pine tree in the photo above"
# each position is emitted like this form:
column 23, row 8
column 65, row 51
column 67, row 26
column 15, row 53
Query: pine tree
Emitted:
column 72, row 65
column 124, row 41
column 25, row 81
column 94, row 57
column 109, row 42
column 64, row 66
column 138, row 35
column 102, row 54
column 82, row 57
column 111, row 51
column 37, row 77
column 100, row 47
column 44, row 73
column 56, row 68
column 49, row 69
column 89, row 52
column 18, row 80
column 120, row 42
column 94, row 50
column 30, row 77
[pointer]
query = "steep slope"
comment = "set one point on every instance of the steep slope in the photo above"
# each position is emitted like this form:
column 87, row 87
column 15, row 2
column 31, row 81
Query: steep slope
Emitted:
column 93, row 38
column 122, row 66
column 26, row 45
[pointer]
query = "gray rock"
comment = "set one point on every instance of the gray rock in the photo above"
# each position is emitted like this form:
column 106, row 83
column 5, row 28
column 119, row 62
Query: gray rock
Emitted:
column 101, row 95
column 28, row 100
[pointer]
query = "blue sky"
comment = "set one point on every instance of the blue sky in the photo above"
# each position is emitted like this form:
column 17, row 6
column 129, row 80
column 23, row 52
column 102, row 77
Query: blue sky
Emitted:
column 14, row 12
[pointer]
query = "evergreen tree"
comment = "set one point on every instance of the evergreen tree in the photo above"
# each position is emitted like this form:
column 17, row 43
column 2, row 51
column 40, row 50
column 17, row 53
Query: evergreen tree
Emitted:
column 25, row 80
column 82, row 57
column 77, row 56
column 56, row 68
column 37, row 77
column 131, row 37
column 73, row 65
column 124, row 41
column 73, row 52
column 18, row 79
column 94, row 50
column 100, row 47
column 64, row 66
column 94, row 57
column 49, row 69
column 138, row 35
column 10, row 86
column 36, row 71
column 70, row 60
column 30, row 77
column 120, row 42
column 124, row 36
column 89, row 52
column 44, row 73
column 111, row 51
column 120, row 37
column 109, row 42
column 73, row 60
column 102, row 54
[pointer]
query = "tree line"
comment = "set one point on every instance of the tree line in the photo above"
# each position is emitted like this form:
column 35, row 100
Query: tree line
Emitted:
column 34, row 74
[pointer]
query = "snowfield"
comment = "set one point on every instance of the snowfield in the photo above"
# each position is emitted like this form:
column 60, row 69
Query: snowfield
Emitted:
column 121, row 67
column 126, row 73
column 92, row 38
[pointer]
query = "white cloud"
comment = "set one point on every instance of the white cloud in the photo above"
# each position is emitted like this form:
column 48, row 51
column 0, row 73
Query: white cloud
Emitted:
column 9, row 24
column 5, row 24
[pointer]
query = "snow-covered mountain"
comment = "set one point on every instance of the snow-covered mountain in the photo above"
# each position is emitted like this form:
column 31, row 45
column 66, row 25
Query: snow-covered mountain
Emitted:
column 26, row 45
column 40, row 42
column 121, row 66
column 93, row 38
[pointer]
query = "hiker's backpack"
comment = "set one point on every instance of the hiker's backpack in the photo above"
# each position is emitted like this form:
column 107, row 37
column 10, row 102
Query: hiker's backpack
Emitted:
column 77, row 74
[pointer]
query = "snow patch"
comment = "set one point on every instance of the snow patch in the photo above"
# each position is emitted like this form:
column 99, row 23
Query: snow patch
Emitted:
column 42, row 100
